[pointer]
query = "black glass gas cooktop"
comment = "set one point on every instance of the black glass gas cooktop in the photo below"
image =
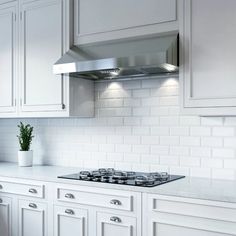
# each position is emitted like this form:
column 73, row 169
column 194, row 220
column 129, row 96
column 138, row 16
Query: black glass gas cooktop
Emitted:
column 112, row 176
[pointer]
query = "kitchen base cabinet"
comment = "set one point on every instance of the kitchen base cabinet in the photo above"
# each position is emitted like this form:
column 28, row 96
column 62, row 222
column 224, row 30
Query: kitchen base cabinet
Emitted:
column 70, row 221
column 32, row 218
column 116, row 225
column 5, row 216
column 174, row 216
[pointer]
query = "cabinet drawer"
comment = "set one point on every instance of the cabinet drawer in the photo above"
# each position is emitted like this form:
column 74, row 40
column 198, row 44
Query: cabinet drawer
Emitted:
column 119, row 202
column 30, row 190
column 194, row 208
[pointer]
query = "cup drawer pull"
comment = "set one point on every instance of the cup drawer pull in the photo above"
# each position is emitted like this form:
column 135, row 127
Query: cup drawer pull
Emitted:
column 32, row 190
column 115, row 202
column 69, row 195
column 115, row 219
column 32, row 205
column 69, row 212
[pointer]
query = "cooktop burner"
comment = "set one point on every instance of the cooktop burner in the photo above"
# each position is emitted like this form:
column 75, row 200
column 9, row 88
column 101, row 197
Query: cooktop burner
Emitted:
column 113, row 176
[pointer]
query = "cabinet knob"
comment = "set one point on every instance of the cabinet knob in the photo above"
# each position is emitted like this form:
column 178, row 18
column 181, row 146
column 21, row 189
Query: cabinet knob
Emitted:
column 69, row 212
column 1, row 187
column 115, row 202
column 69, row 195
column 115, row 219
column 32, row 205
column 32, row 190
column 1, row 201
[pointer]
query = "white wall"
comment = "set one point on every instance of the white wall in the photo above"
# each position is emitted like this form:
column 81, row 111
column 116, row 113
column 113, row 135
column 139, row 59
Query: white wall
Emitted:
column 137, row 126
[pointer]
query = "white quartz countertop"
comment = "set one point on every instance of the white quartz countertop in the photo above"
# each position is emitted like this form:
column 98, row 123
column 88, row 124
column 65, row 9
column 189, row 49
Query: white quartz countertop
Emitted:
column 200, row 188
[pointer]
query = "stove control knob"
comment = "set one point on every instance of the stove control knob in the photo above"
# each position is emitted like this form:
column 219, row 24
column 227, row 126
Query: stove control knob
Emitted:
column 115, row 202
column 115, row 219
column 69, row 195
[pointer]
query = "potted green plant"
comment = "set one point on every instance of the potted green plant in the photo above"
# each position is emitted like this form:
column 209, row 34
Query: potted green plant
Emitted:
column 25, row 155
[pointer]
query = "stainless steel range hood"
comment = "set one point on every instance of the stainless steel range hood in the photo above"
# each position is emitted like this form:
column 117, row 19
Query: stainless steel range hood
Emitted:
column 123, row 59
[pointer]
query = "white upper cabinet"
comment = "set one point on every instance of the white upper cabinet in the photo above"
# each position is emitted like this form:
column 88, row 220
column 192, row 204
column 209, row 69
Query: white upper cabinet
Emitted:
column 42, row 42
column 103, row 20
column 34, row 35
column 8, row 48
column 208, row 71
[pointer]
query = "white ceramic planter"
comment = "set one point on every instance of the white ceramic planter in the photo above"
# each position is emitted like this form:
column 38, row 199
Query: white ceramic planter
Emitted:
column 25, row 158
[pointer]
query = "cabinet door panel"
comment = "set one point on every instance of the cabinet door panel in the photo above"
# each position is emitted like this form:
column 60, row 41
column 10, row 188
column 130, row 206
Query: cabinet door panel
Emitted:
column 208, row 33
column 103, row 20
column 108, row 224
column 103, row 15
column 42, row 43
column 32, row 219
column 5, row 216
column 7, row 57
column 70, row 221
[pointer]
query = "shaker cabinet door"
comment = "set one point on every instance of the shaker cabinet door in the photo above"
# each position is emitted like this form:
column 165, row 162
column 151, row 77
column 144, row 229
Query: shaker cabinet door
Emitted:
column 70, row 221
column 42, row 42
column 103, row 20
column 32, row 218
column 5, row 216
column 108, row 224
column 208, row 71
column 8, row 48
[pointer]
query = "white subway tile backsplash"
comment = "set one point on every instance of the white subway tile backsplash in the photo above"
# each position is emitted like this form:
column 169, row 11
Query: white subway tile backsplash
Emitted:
column 141, row 93
column 223, row 153
column 169, row 160
column 212, row 121
column 138, row 126
column 190, row 141
column 169, row 140
column 179, row 131
column 189, row 120
column 200, row 152
column 200, row 131
column 212, row 141
column 223, row 131
column 190, row 161
column 211, row 163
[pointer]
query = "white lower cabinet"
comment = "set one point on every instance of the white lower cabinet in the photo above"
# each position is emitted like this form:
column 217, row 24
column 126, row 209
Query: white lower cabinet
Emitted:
column 67, row 210
column 115, row 225
column 32, row 218
column 70, row 221
column 175, row 216
column 5, row 216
